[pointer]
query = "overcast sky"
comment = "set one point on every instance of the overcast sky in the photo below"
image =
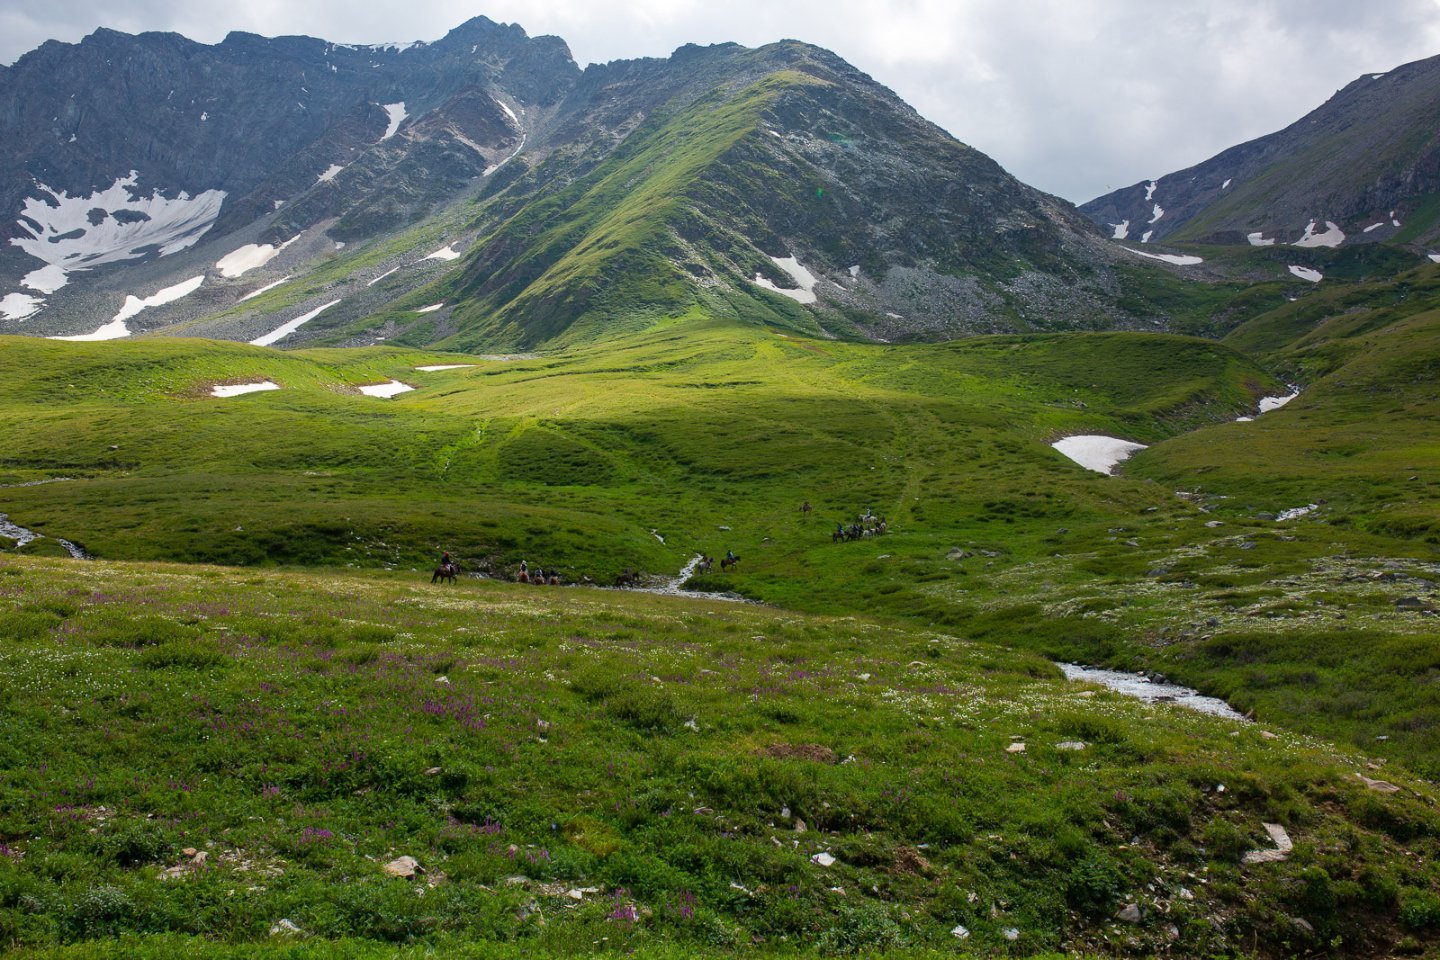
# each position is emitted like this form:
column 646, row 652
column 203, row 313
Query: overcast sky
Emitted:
column 1076, row 97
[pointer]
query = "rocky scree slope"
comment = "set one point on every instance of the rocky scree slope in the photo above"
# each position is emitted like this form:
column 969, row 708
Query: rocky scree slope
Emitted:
column 1364, row 166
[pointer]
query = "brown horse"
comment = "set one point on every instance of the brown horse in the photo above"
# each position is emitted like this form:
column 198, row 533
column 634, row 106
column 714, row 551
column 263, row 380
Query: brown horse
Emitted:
column 630, row 578
column 446, row 571
column 727, row 562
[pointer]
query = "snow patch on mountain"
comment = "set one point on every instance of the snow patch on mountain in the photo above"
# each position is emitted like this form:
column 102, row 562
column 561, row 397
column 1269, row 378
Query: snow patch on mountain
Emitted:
column 1150, row 191
column 432, row 308
column 508, row 112
column 444, row 253
column 133, row 306
column 1157, row 214
column 47, row 279
column 1435, row 257
column 1267, row 404
column 330, row 173
column 111, row 225
column 239, row 262
column 1305, row 273
column 1226, row 184
column 19, row 306
column 1331, row 236
column 1122, row 230
column 1374, row 226
column 397, row 114
column 803, row 278
column 283, row 331
column 1175, row 258
column 382, row 276
column 265, row 289
column 1145, row 237
column 1257, row 239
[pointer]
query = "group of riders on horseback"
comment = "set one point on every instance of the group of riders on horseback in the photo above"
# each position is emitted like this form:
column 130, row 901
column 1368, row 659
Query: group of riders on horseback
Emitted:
column 865, row 525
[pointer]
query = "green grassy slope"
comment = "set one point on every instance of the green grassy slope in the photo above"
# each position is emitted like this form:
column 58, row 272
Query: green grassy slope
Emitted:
column 688, row 769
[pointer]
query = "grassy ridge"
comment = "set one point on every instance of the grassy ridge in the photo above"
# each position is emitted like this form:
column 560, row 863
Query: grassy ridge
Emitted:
column 688, row 769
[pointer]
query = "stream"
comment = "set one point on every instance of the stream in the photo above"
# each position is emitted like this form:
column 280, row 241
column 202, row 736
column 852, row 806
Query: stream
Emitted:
column 21, row 536
column 1143, row 688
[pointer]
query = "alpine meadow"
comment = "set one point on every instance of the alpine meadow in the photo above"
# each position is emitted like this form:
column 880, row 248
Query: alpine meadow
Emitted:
column 456, row 503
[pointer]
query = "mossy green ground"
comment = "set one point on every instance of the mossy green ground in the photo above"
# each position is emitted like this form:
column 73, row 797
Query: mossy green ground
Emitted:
column 706, row 435
column 582, row 771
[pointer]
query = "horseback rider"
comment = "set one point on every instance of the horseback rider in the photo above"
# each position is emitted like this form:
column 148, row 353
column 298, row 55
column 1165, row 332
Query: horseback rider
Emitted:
column 445, row 560
column 730, row 555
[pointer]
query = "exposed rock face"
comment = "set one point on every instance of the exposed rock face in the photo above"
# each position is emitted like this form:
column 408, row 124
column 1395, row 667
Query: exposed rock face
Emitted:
column 779, row 184
column 1367, row 161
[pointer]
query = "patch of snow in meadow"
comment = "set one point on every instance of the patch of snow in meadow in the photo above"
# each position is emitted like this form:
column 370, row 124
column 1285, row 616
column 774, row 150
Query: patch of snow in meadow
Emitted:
column 60, row 234
column 283, row 331
column 1101, row 454
column 382, row 276
column 240, row 389
column 1175, row 258
column 1158, row 213
column 1268, row 404
column 1226, row 184
column 116, row 328
column 252, row 256
column 444, row 253
column 1295, row 513
column 330, row 173
column 47, row 279
column 1257, row 239
column 397, row 114
column 386, row 390
column 1331, row 236
column 1150, row 191
column 19, row 306
column 265, row 289
column 437, row 367
column 1122, row 230
column 1244, row 419
column 432, row 308
column 803, row 278
column 1305, row 273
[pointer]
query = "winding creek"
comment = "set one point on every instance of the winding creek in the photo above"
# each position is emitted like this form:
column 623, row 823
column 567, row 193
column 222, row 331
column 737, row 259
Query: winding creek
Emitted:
column 1143, row 688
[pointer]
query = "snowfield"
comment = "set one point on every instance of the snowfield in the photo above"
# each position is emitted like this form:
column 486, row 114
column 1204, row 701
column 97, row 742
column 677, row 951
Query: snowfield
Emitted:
column 265, row 289
column 1093, row 452
column 281, row 332
column 1175, row 258
column 1275, row 403
column 444, row 253
column 116, row 328
column 397, row 114
column 1305, row 273
column 62, row 236
column 19, row 306
column 1257, row 239
column 1332, row 236
column 252, row 256
column 432, row 308
column 802, row 277
column 1122, row 230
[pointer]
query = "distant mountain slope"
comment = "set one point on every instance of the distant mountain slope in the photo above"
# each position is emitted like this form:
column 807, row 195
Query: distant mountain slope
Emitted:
column 1366, row 164
column 482, row 191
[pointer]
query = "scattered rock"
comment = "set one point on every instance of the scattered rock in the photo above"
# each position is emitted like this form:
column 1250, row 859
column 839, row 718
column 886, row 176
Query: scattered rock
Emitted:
column 1379, row 786
column 800, row 825
column 1012, row 934
column 433, row 772
column 445, row 680
column 960, row 933
column 1212, row 524
column 1248, row 545
column 1411, row 603
column 189, row 851
column 1015, row 748
column 1130, row 913
column 1268, row 735
column 285, row 928
column 1071, row 745
column 1185, row 894
column 1302, row 924
column 823, row 859
column 403, row 867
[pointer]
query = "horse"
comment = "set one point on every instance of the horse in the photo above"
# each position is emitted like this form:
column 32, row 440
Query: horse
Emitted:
column 704, row 565
column 523, row 576
column 727, row 562
column 630, row 578
column 446, row 571
column 554, row 579
column 805, row 508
